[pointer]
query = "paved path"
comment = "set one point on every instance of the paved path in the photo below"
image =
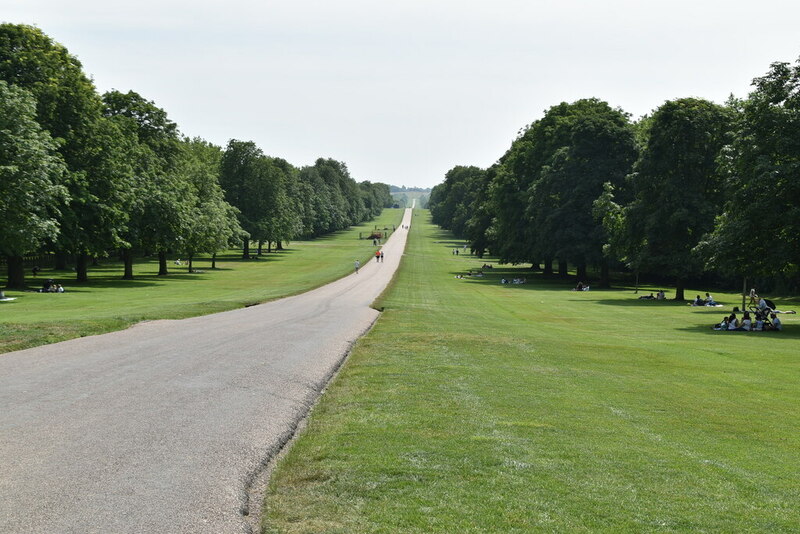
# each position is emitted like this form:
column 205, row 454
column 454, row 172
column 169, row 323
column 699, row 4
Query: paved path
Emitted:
column 160, row 428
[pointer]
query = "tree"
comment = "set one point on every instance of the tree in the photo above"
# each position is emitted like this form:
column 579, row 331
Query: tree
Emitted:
column 759, row 231
column 70, row 110
column 213, row 224
column 599, row 147
column 162, row 200
column 543, row 191
column 454, row 198
column 678, row 190
column 30, row 171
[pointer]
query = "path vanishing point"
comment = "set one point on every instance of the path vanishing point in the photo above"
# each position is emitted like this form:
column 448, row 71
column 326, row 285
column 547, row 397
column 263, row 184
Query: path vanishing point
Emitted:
column 164, row 426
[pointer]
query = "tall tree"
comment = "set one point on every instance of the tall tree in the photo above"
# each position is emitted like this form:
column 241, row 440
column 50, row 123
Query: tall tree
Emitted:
column 678, row 189
column 213, row 224
column 70, row 110
column 759, row 231
column 30, row 171
column 253, row 184
column 545, row 186
column 161, row 208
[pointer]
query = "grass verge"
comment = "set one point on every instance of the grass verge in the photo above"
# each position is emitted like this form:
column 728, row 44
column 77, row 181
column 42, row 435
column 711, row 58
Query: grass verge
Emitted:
column 478, row 407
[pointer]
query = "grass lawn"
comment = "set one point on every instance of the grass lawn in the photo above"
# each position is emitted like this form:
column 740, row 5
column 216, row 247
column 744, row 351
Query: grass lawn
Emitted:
column 479, row 407
column 106, row 302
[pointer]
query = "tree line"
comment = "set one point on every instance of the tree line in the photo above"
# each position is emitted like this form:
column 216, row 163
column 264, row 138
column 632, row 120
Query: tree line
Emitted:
column 83, row 174
column 691, row 189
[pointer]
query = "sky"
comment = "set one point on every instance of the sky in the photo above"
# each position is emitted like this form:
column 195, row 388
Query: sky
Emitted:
column 404, row 91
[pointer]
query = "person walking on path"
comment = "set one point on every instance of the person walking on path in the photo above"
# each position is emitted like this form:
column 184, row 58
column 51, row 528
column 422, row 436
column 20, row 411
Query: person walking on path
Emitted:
column 381, row 256
column 377, row 256
column 358, row 264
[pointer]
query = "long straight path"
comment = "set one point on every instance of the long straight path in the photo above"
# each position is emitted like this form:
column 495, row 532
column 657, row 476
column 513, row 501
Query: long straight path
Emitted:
column 161, row 427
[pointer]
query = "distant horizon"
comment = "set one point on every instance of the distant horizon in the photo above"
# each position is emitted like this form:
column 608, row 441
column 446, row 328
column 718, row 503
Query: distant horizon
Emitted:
column 402, row 93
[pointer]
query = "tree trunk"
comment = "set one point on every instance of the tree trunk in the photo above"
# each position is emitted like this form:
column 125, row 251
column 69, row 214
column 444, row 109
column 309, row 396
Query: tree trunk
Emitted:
column 279, row 245
column 260, row 246
column 16, row 272
column 61, row 261
column 562, row 269
column 214, row 260
column 162, row 263
column 581, row 272
column 548, row 266
column 679, row 289
column 190, row 264
column 127, row 260
column 246, row 250
column 605, row 280
column 269, row 247
column 81, row 267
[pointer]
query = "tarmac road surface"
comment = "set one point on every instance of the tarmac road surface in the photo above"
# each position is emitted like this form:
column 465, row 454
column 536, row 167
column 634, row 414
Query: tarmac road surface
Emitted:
column 162, row 427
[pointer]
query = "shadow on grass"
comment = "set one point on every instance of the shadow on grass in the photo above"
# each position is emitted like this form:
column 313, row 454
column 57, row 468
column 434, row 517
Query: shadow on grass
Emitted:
column 790, row 332
column 636, row 301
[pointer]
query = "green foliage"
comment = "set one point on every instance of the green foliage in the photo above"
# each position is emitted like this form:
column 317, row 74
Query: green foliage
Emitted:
column 162, row 204
column 543, row 191
column 66, row 101
column 213, row 225
column 759, row 231
column 68, row 107
column 30, row 173
column 677, row 186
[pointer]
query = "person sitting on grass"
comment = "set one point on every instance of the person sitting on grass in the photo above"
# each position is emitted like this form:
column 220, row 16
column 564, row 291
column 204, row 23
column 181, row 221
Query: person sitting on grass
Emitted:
column 745, row 324
column 776, row 323
column 733, row 322
column 698, row 301
column 660, row 295
column 709, row 301
column 647, row 297
column 723, row 325
column 759, row 325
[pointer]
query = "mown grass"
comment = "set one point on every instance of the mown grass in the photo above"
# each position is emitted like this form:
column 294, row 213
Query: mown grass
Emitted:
column 479, row 407
column 106, row 302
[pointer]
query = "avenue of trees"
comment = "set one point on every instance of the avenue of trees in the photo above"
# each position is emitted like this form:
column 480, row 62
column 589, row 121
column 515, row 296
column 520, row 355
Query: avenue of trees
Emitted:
column 85, row 175
column 692, row 190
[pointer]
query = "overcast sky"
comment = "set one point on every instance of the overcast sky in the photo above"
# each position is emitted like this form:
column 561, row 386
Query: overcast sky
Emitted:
column 403, row 91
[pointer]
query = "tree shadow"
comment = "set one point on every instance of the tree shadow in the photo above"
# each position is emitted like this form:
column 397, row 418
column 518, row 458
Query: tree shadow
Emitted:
column 636, row 301
column 789, row 332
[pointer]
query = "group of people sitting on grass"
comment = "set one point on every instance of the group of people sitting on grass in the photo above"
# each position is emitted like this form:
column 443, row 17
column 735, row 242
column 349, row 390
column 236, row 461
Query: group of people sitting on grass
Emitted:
column 708, row 301
column 476, row 274
column 513, row 281
column 658, row 296
column 49, row 286
column 759, row 324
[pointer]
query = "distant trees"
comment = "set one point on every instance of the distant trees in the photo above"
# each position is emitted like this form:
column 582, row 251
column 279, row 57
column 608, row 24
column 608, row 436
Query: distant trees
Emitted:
column 83, row 175
column 694, row 186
